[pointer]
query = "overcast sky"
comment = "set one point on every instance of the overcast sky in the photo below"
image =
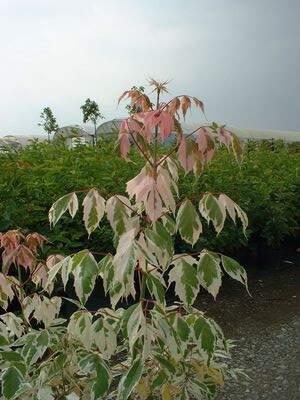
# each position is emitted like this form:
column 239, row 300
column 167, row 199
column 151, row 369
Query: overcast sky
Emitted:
column 241, row 57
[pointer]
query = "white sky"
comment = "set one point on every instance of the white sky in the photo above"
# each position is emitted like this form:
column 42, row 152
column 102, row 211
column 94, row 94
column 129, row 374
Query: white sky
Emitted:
column 242, row 58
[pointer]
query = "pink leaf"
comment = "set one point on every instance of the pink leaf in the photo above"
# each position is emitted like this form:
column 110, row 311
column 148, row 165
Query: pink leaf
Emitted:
column 224, row 137
column 24, row 257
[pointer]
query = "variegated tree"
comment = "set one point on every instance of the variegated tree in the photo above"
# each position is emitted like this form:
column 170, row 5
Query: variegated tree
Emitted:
column 152, row 348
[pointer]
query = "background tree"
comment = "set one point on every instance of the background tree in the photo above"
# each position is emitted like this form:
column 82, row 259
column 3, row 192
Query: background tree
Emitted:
column 91, row 113
column 48, row 122
column 133, row 107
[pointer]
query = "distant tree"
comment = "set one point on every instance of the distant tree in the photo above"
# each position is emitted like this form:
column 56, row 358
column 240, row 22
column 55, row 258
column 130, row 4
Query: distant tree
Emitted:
column 134, row 108
column 48, row 122
column 91, row 113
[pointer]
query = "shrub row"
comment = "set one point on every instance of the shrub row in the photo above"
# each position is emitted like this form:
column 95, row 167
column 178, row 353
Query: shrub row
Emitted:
column 266, row 186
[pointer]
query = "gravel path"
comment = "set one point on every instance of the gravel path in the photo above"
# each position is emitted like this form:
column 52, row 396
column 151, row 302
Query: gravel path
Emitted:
column 266, row 328
column 272, row 361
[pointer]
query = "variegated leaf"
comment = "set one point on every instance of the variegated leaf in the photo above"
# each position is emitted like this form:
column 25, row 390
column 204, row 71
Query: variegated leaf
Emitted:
column 93, row 210
column 205, row 336
column 67, row 202
column 130, row 379
column 188, row 222
column 234, row 270
column 80, row 327
column 212, row 210
column 209, row 271
column 119, row 210
column 6, row 291
column 11, row 381
column 85, row 270
column 184, row 274
column 234, row 210
column 124, row 261
column 156, row 286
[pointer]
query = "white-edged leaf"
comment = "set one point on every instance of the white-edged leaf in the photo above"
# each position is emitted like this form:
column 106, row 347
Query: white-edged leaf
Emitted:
column 11, row 381
column 235, row 270
column 63, row 267
column 14, row 325
column 209, row 271
column 104, row 337
column 135, row 324
column 169, row 223
column 85, row 270
column 35, row 346
column 184, row 274
column 156, row 286
column 67, row 202
column 119, row 210
column 124, row 260
column 93, row 210
column 106, row 271
column 234, row 210
column 205, row 336
column 92, row 363
column 102, row 382
column 80, row 327
column 188, row 222
column 6, row 291
column 212, row 210
column 130, row 379
column 160, row 244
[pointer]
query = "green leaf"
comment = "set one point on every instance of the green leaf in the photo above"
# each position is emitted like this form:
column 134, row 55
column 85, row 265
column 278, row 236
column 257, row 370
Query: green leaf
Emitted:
column 130, row 379
column 235, row 270
column 184, row 274
column 188, row 222
column 85, row 270
column 67, row 202
column 11, row 381
column 93, row 210
column 210, row 272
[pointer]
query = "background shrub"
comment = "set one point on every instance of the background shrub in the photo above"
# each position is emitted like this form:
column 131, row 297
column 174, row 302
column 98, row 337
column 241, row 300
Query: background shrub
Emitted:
column 266, row 186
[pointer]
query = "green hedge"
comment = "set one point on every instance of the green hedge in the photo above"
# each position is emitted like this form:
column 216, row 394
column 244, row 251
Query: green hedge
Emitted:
column 266, row 185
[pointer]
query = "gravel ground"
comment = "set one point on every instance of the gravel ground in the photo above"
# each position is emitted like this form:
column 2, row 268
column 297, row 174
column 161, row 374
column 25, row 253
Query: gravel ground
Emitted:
column 272, row 361
column 266, row 328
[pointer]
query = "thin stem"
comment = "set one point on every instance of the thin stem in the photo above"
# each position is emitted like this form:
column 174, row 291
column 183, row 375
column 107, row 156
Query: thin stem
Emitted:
column 143, row 287
column 141, row 150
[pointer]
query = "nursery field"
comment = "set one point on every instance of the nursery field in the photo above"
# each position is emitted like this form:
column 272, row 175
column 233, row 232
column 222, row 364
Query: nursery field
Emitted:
column 266, row 185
